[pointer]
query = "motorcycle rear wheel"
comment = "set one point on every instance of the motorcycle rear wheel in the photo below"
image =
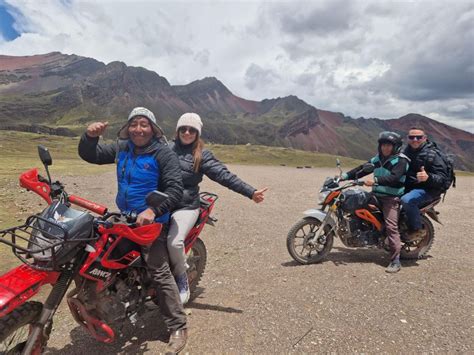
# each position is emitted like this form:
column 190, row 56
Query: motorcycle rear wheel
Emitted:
column 419, row 249
column 300, row 232
column 15, row 328
column 197, row 263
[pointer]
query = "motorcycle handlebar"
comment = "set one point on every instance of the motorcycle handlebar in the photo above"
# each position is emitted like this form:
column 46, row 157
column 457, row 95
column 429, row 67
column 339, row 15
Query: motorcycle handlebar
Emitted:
column 91, row 206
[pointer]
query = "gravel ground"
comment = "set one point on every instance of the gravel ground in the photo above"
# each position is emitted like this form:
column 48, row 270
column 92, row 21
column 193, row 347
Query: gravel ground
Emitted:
column 255, row 299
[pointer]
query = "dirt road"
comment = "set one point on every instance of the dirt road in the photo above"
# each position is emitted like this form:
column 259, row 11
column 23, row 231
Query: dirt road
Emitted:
column 254, row 298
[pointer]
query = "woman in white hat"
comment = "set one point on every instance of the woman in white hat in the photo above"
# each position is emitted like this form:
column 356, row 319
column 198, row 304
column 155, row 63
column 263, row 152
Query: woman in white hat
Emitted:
column 195, row 162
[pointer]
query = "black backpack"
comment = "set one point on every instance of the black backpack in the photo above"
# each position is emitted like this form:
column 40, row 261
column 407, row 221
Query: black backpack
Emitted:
column 448, row 166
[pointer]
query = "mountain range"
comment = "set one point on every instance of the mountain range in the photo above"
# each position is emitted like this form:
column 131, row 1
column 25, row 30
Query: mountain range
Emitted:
column 60, row 94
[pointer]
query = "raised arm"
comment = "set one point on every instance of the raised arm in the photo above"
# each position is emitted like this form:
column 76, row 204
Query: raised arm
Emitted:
column 94, row 152
column 218, row 172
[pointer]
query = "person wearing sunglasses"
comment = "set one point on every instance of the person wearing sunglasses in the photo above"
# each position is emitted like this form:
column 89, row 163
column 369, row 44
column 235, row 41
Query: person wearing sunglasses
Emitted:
column 196, row 161
column 424, row 181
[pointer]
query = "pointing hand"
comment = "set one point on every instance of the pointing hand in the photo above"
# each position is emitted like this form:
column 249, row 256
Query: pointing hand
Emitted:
column 258, row 196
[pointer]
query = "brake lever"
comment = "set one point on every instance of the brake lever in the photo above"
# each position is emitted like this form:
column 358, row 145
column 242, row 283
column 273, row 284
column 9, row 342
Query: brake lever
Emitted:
column 359, row 182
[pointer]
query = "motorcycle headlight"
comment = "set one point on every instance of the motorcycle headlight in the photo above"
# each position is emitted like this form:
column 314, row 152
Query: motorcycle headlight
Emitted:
column 322, row 196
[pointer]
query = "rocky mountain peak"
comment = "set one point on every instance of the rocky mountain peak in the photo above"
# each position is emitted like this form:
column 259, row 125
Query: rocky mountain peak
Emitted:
column 54, row 89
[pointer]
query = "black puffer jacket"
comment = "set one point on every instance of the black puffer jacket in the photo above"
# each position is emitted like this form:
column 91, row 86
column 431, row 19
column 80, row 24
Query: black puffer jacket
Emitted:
column 436, row 171
column 212, row 168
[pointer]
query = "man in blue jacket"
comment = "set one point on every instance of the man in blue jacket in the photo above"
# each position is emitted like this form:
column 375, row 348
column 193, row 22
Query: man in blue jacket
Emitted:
column 144, row 164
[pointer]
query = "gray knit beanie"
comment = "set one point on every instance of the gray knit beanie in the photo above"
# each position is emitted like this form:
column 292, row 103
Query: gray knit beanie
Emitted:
column 143, row 112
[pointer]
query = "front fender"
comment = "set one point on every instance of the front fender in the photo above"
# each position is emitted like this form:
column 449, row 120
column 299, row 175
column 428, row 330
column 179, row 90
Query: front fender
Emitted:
column 20, row 284
column 320, row 216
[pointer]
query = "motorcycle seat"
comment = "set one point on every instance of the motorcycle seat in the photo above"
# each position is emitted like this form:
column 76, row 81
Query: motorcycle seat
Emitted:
column 429, row 204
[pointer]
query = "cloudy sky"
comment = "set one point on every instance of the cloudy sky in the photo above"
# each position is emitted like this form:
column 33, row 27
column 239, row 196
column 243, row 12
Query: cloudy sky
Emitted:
column 363, row 58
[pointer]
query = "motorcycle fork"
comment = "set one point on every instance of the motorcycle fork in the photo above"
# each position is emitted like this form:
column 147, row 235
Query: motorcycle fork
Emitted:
column 323, row 224
column 50, row 306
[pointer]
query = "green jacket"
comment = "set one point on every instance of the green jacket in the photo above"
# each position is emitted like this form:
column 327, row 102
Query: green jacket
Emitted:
column 389, row 174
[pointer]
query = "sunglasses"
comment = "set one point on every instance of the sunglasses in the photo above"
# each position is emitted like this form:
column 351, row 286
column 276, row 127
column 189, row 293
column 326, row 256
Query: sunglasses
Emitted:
column 185, row 129
column 416, row 138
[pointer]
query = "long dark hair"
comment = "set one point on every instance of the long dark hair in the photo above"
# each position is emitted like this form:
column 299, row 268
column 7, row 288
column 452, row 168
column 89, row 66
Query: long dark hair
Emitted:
column 198, row 146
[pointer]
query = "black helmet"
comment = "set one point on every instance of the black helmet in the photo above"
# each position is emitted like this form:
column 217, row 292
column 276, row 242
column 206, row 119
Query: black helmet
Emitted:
column 392, row 138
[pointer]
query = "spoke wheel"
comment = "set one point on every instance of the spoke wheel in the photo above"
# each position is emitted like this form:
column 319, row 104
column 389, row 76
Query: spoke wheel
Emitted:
column 302, row 245
column 197, row 259
column 15, row 328
column 418, row 249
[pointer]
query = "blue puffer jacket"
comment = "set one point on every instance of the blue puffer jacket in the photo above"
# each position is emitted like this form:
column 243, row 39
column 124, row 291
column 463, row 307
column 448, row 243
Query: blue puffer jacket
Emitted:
column 139, row 171
column 137, row 175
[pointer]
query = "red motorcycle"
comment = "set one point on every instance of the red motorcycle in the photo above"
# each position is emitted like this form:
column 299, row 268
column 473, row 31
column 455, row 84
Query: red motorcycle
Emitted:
column 100, row 254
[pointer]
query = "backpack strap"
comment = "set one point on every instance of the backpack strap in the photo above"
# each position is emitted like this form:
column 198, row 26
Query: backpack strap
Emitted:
column 401, row 155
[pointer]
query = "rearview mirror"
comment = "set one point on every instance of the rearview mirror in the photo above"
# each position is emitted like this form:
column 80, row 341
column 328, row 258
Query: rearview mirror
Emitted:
column 155, row 198
column 338, row 164
column 44, row 155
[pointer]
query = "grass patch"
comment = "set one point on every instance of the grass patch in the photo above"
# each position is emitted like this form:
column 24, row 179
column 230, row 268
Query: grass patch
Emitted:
column 464, row 173
column 263, row 155
column 19, row 153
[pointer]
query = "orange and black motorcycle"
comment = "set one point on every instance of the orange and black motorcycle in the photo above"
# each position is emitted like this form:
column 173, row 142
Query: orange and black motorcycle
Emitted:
column 354, row 215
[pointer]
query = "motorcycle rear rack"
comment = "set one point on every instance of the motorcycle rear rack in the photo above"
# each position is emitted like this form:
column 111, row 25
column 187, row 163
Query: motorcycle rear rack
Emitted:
column 37, row 247
column 207, row 199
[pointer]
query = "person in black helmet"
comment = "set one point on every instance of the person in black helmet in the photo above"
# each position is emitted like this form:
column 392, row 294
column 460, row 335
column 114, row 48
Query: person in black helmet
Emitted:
column 390, row 171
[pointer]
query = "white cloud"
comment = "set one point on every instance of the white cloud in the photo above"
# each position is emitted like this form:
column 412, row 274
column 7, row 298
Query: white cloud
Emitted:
column 373, row 59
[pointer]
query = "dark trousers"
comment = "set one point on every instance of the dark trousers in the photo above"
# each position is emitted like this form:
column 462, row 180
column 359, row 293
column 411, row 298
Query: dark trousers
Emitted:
column 157, row 260
column 391, row 212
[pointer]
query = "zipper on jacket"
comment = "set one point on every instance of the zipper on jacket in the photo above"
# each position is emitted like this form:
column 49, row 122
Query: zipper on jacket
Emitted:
column 129, row 179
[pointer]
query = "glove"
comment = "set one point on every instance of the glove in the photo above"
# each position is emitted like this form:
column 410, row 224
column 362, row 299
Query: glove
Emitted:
column 344, row 176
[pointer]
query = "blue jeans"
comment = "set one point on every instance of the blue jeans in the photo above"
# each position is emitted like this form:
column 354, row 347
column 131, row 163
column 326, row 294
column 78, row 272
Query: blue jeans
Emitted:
column 411, row 203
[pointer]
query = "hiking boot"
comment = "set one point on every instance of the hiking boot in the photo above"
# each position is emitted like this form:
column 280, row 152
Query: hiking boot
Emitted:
column 393, row 267
column 419, row 234
column 177, row 341
column 183, row 287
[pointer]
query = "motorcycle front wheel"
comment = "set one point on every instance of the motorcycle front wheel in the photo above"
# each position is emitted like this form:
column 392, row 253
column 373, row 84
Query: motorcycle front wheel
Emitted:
column 300, row 243
column 15, row 328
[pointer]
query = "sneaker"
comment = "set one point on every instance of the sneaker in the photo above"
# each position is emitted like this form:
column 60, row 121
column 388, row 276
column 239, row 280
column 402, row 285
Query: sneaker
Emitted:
column 393, row 267
column 183, row 287
column 416, row 235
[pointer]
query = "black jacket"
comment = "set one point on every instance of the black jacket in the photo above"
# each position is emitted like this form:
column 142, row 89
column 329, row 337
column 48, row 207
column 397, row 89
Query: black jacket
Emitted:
column 435, row 171
column 170, row 181
column 212, row 168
